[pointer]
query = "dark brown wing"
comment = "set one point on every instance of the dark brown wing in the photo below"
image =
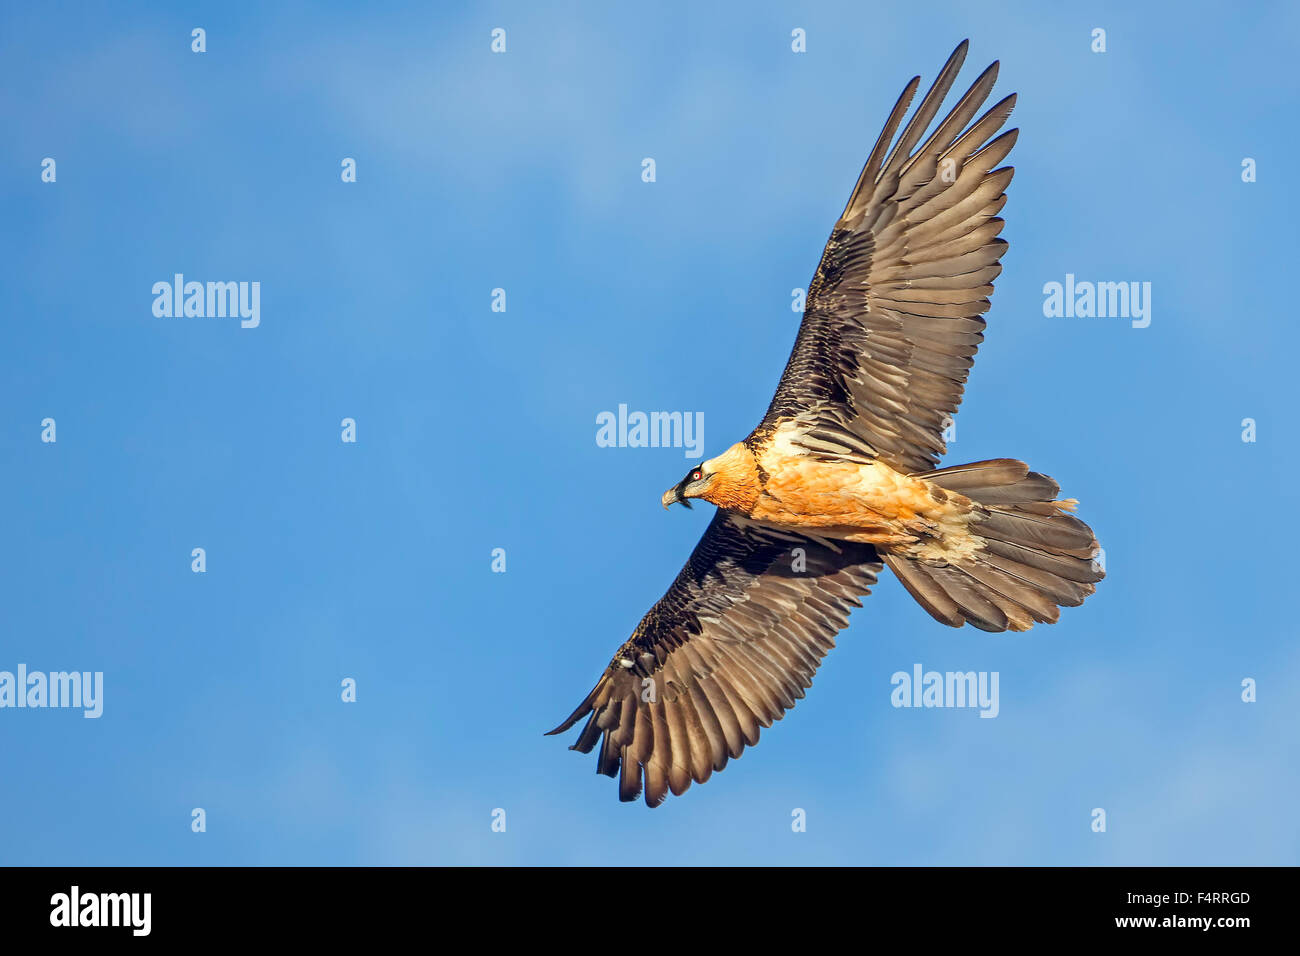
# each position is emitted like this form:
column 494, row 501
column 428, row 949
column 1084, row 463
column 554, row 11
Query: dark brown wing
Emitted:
column 894, row 314
column 729, row 649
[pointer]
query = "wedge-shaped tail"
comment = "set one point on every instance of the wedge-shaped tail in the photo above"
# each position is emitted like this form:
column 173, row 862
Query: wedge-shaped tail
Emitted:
column 1034, row 557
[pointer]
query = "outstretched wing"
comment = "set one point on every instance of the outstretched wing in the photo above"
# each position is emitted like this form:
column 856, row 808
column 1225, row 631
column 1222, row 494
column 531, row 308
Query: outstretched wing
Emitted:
column 893, row 316
column 729, row 649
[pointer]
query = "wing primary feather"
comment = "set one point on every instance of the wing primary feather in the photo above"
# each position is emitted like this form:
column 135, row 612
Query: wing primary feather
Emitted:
column 871, row 168
column 925, row 112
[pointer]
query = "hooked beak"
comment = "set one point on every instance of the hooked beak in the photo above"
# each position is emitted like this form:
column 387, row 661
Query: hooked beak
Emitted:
column 674, row 496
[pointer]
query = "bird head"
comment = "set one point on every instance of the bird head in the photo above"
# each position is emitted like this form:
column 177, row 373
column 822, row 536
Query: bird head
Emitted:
column 728, row 481
column 693, row 485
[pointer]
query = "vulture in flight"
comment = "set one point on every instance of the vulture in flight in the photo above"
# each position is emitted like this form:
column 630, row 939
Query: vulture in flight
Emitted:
column 840, row 476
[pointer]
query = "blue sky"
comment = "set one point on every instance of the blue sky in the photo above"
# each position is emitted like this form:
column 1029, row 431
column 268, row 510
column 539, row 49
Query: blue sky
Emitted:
column 476, row 429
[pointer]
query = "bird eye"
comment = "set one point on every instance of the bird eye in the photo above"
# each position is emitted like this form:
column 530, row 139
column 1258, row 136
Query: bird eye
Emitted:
column 696, row 475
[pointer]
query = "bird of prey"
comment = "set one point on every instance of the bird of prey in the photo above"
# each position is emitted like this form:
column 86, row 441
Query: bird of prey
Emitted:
column 840, row 476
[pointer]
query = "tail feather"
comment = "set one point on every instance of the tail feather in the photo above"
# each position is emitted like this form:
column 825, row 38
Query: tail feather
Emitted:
column 978, row 603
column 1033, row 556
column 926, row 590
column 1060, row 532
column 1062, row 592
column 1038, row 604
